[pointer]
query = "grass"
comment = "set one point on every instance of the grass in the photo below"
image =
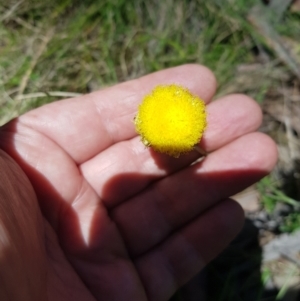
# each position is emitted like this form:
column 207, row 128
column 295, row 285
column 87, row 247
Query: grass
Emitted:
column 271, row 196
column 100, row 43
column 62, row 47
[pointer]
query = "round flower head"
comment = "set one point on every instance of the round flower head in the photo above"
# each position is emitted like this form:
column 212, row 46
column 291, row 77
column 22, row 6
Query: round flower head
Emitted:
column 171, row 120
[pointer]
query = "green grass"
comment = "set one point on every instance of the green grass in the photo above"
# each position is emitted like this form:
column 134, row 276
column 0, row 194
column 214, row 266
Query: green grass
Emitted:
column 291, row 223
column 103, row 42
column 78, row 46
column 272, row 195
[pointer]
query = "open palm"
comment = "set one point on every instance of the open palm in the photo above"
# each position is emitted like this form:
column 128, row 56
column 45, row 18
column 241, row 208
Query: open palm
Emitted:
column 107, row 218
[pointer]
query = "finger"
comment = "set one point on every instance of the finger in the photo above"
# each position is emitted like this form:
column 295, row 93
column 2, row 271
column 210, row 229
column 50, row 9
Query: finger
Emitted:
column 228, row 119
column 150, row 217
column 170, row 265
column 87, row 125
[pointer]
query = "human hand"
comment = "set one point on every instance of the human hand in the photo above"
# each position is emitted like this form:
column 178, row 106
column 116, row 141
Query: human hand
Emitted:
column 107, row 218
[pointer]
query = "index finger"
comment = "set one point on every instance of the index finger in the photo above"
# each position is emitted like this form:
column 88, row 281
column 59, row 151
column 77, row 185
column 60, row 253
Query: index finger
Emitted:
column 87, row 125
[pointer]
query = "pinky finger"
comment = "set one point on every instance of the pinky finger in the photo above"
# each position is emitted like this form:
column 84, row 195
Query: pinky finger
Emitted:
column 169, row 266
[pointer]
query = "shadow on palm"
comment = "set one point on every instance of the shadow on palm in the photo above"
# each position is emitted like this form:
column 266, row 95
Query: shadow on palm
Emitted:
column 157, row 243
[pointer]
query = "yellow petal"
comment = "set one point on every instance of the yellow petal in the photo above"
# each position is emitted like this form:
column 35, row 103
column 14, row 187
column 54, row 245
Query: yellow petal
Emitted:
column 171, row 120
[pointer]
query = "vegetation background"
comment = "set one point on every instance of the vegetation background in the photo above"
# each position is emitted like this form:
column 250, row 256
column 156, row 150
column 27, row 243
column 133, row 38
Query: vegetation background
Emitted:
column 61, row 48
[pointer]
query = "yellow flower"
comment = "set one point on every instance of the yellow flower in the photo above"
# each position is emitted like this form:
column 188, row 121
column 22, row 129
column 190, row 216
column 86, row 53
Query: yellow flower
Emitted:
column 171, row 120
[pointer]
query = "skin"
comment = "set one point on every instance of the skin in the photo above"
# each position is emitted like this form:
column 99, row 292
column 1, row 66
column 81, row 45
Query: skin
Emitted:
column 88, row 213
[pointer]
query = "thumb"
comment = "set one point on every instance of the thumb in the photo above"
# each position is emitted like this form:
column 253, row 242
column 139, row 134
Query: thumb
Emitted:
column 22, row 260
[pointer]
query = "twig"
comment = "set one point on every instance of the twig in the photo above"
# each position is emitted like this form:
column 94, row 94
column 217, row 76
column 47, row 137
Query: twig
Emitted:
column 201, row 151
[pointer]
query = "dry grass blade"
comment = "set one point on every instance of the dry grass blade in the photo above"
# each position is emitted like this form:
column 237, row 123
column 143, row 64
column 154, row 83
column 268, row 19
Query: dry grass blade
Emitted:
column 290, row 257
column 259, row 19
column 279, row 7
column 291, row 139
column 33, row 63
column 45, row 94
column 11, row 11
column 275, row 109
